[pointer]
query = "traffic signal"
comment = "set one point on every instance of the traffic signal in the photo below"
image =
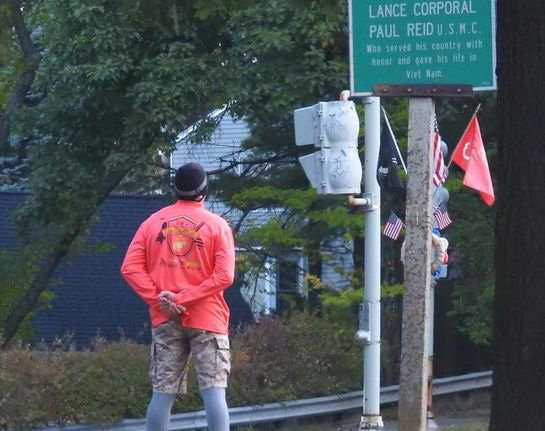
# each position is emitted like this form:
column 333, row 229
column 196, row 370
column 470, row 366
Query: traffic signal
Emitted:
column 332, row 127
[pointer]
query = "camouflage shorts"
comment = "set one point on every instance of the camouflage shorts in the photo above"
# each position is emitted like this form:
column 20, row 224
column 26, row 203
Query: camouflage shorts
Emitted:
column 172, row 348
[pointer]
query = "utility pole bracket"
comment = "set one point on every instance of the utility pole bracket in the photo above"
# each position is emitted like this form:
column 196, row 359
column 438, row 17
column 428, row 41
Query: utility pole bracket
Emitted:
column 371, row 422
column 366, row 201
column 363, row 334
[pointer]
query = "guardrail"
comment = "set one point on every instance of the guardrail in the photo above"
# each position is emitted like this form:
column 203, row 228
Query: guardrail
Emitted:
column 295, row 409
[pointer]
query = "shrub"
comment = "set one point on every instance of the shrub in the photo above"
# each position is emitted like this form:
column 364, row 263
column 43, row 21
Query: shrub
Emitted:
column 302, row 357
column 278, row 359
column 62, row 385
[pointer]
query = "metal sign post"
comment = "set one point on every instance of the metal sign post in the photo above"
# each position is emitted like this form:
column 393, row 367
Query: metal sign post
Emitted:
column 371, row 419
column 333, row 127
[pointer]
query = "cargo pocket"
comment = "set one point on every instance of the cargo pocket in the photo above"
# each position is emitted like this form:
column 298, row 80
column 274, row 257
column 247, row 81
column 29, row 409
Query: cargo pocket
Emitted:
column 157, row 351
column 223, row 354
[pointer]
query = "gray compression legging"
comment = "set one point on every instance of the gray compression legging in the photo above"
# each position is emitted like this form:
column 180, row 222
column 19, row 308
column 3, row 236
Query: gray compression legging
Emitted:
column 158, row 415
column 217, row 413
column 215, row 405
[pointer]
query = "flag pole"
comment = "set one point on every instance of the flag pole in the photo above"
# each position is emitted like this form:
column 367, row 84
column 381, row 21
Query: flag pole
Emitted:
column 434, row 192
column 467, row 127
column 393, row 139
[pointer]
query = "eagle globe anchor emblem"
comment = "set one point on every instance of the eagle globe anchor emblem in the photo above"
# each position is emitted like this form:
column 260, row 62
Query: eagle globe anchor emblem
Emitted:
column 182, row 233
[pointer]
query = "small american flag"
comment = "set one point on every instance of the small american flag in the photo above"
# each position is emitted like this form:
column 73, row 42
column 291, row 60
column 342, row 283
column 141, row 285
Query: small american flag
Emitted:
column 439, row 169
column 393, row 226
column 442, row 217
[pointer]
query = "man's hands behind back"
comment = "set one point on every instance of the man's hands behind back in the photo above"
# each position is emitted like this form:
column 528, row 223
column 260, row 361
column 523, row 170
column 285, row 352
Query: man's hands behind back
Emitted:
column 168, row 306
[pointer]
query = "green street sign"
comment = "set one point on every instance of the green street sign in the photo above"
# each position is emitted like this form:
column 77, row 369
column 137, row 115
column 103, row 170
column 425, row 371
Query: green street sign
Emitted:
column 423, row 42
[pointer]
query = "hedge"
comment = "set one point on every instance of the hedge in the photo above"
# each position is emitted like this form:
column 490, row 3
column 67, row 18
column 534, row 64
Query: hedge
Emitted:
column 276, row 359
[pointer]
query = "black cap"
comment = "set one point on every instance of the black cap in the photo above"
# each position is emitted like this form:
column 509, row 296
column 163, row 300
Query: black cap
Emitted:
column 191, row 181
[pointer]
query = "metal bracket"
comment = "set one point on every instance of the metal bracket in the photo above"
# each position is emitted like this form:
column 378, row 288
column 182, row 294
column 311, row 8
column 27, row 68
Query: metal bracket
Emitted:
column 423, row 90
column 371, row 422
column 367, row 201
column 363, row 334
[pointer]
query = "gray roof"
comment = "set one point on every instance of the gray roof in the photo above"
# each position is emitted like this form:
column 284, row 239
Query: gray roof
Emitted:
column 91, row 297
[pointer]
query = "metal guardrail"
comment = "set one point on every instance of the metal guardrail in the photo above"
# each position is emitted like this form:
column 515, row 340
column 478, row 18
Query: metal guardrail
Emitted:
column 295, row 409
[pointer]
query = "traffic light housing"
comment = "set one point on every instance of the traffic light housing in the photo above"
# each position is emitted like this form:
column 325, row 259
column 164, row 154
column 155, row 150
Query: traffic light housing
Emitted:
column 333, row 127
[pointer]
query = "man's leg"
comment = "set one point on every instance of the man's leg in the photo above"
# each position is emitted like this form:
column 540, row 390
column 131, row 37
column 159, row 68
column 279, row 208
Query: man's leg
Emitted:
column 170, row 354
column 213, row 363
column 158, row 415
column 217, row 413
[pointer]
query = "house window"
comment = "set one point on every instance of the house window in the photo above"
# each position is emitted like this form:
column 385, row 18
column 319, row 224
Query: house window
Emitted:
column 289, row 295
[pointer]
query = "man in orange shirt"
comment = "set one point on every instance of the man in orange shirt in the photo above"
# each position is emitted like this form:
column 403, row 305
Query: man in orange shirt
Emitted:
column 179, row 262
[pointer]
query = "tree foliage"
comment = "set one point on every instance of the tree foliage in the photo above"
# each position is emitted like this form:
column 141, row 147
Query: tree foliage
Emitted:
column 472, row 235
column 113, row 84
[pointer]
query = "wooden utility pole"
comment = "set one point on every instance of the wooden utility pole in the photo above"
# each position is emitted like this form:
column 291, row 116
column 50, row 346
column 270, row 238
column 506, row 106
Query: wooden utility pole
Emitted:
column 413, row 391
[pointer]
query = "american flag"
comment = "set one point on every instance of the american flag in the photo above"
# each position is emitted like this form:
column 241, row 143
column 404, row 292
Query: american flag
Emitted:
column 442, row 217
column 393, row 226
column 439, row 169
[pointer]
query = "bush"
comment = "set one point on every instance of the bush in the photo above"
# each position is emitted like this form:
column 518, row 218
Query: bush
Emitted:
column 62, row 385
column 301, row 357
column 277, row 359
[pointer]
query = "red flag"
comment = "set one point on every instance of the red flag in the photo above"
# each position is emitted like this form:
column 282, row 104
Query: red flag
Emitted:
column 469, row 154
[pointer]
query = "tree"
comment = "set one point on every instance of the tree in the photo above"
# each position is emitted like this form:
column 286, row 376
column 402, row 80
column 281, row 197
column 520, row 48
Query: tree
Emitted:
column 118, row 80
column 19, row 61
column 12, row 14
column 518, row 399
column 113, row 81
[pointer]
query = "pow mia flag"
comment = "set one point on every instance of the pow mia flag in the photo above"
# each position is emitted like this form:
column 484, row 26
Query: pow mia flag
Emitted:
column 388, row 163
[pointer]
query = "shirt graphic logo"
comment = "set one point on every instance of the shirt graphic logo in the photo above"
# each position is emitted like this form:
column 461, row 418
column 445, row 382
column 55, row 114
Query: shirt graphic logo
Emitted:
column 181, row 233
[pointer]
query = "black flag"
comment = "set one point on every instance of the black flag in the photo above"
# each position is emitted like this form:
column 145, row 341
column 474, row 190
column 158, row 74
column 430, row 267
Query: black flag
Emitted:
column 388, row 162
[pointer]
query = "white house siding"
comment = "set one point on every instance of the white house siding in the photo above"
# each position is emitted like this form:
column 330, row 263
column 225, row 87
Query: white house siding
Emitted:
column 259, row 290
column 338, row 264
column 222, row 148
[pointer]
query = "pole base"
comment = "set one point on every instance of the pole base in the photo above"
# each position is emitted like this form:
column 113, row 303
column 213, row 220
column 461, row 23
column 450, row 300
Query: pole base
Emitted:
column 371, row 422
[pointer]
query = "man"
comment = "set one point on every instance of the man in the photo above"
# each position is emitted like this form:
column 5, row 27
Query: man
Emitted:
column 179, row 262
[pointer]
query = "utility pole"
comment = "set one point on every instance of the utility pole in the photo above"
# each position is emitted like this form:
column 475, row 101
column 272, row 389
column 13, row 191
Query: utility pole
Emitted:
column 371, row 419
column 335, row 168
column 417, row 274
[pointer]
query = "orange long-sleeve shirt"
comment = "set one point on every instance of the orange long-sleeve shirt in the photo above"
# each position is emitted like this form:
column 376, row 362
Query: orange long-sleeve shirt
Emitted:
column 185, row 249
